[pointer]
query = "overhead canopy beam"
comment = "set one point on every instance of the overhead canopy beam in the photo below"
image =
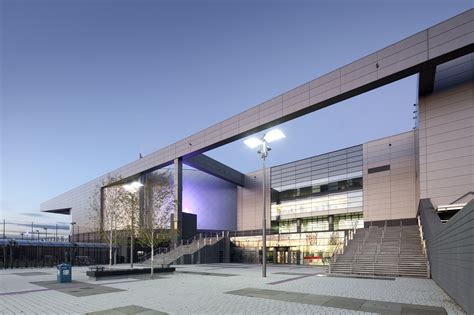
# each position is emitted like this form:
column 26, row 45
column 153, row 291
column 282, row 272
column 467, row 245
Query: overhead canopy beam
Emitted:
column 425, row 50
column 421, row 52
column 206, row 164
column 60, row 211
column 426, row 81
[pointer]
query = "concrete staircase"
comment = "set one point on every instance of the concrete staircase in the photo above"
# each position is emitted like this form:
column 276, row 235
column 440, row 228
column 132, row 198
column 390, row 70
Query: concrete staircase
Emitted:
column 386, row 251
column 187, row 248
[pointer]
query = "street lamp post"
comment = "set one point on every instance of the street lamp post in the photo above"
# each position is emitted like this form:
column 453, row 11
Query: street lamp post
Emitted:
column 38, row 231
column 263, row 149
column 45, row 233
column 133, row 188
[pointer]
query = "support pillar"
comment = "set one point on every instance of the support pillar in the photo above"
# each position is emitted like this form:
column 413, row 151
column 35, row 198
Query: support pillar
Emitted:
column 331, row 222
column 178, row 195
column 141, row 198
column 226, row 247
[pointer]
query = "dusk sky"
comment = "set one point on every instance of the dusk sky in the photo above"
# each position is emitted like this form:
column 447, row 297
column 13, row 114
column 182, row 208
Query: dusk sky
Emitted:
column 87, row 85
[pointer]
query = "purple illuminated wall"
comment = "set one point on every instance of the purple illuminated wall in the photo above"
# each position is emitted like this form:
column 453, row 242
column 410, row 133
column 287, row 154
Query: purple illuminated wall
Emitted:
column 212, row 199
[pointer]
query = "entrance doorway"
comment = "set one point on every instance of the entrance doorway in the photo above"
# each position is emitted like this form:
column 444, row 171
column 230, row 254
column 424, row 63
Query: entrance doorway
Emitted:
column 284, row 255
column 281, row 255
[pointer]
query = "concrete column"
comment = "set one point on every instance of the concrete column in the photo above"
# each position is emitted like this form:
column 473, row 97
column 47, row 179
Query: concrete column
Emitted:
column 226, row 241
column 102, row 206
column 178, row 195
column 141, row 198
column 331, row 222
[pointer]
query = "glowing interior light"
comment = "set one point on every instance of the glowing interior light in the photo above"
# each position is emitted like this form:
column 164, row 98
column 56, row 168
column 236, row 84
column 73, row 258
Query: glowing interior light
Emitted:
column 252, row 142
column 136, row 184
column 273, row 135
column 132, row 186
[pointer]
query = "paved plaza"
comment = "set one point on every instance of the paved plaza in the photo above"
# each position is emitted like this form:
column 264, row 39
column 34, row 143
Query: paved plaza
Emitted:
column 220, row 289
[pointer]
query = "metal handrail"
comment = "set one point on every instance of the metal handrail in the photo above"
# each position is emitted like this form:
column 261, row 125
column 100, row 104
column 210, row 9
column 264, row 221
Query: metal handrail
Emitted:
column 423, row 241
column 156, row 251
column 185, row 244
column 186, row 249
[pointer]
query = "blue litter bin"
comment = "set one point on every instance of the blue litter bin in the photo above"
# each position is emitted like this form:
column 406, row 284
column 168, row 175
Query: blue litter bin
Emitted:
column 64, row 273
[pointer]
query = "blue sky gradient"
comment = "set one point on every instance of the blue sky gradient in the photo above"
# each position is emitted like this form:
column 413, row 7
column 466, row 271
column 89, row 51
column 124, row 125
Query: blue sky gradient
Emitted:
column 87, row 85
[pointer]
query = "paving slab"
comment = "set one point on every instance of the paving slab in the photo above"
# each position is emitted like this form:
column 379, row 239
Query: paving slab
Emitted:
column 250, row 292
column 413, row 309
column 287, row 296
column 208, row 273
column 128, row 310
column 345, row 303
column 31, row 274
column 381, row 307
column 340, row 302
column 313, row 299
column 77, row 288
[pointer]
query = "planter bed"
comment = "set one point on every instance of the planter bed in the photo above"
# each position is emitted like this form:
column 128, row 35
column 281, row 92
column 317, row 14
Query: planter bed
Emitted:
column 99, row 273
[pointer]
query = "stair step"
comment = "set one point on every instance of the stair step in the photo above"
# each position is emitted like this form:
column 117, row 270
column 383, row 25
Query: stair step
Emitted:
column 395, row 251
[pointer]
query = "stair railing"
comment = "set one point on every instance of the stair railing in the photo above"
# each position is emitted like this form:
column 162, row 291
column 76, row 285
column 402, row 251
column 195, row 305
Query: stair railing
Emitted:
column 156, row 251
column 334, row 256
column 423, row 241
column 424, row 247
column 186, row 245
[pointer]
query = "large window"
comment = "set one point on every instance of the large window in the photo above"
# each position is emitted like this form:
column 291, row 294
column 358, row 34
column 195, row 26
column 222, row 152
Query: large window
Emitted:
column 315, row 224
column 348, row 221
column 330, row 183
column 303, row 192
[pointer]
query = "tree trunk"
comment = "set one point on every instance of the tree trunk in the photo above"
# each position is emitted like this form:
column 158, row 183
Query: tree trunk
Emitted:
column 152, row 257
column 110, row 249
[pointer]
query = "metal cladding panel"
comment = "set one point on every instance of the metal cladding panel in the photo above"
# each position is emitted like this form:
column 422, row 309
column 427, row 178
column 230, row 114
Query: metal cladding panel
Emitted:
column 390, row 178
column 446, row 137
column 438, row 44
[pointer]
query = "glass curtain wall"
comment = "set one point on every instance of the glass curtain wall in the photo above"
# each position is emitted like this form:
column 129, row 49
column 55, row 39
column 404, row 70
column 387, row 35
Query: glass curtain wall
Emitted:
column 292, row 248
column 314, row 202
column 322, row 185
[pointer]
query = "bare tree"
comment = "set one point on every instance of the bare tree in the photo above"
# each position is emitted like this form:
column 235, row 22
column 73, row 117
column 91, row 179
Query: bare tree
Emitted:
column 106, row 212
column 155, row 226
column 130, row 212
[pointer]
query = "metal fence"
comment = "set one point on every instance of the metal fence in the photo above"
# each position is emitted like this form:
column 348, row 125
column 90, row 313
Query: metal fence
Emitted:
column 40, row 244
column 30, row 230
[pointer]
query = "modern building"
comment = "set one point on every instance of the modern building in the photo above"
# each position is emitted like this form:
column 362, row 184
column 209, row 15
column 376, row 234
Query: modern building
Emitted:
column 314, row 205
column 316, row 201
